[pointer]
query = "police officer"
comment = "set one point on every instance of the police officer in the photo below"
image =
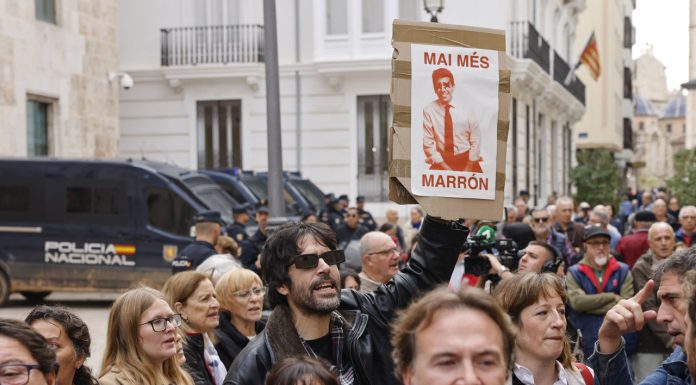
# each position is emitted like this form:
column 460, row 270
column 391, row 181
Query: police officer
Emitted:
column 343, row 203
column 207, row 233
column 365, row 216
column 255, row 244
column 237, row 230
column 333, row 216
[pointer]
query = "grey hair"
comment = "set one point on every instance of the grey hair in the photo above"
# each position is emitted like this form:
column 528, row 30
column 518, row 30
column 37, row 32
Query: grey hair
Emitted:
column 684, row 209
column 680, row 263
column 655, row 226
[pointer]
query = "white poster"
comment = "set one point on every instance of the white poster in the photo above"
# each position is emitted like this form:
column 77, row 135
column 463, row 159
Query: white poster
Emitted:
column 454, row 121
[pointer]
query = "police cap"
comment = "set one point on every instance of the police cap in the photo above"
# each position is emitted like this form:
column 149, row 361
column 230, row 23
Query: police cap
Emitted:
column 207, row 216
column 240, row 208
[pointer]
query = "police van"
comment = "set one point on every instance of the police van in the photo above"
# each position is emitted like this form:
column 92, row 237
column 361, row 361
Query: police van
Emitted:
column 96, row 225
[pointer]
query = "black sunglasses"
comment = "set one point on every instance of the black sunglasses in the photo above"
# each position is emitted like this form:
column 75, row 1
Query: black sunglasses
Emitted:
column 311, row 261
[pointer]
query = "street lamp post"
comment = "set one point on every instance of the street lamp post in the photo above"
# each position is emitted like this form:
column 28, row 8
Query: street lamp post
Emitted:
column 433, row 7
column 275, row 154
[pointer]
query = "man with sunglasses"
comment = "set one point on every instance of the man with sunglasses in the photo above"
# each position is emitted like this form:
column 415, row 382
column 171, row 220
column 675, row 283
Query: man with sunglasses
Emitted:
column 595, row 285
column 541, row 224
column 313, row 317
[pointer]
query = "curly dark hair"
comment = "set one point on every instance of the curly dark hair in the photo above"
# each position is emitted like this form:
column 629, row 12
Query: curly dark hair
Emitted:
column 301, row 370
column 76, row 330
column 33, row 341
column 281, row 246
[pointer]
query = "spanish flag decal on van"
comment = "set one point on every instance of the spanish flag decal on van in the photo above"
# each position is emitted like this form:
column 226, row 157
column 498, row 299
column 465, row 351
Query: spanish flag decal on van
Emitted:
column 124, row 249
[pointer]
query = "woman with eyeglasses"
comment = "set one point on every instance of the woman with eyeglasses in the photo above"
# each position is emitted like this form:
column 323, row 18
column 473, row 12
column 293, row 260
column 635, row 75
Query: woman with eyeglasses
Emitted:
column 141, row 341
column 25, row 356
column 241, row 294
column 536, row 304
column 68, row 335
column 192, row 295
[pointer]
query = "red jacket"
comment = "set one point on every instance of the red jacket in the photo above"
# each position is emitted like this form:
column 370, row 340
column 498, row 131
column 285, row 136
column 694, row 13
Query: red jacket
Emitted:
column 632, row 246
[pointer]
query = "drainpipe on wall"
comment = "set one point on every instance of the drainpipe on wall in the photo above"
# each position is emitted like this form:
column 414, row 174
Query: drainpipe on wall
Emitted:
column 298, row 91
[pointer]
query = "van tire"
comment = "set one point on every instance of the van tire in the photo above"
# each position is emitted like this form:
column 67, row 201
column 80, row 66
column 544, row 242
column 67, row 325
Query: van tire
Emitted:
column 4, row 288
column 35, row 296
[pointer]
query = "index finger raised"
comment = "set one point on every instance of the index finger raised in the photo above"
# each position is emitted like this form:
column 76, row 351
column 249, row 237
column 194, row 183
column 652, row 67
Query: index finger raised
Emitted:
column 643, row 294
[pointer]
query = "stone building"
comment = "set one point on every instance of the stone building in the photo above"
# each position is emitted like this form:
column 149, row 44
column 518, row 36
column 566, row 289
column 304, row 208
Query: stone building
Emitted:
column 608, row 120
column 55, row 94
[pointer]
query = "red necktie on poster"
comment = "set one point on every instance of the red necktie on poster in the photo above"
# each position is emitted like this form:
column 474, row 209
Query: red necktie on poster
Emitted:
column 449, row 133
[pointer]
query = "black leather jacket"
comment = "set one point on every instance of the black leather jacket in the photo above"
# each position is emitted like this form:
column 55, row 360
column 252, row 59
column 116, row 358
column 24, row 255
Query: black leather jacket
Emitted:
column 367, row 316
column 229, row 340
column 195, row 360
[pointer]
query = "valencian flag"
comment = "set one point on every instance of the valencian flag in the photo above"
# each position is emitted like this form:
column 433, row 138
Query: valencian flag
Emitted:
column 589, row 57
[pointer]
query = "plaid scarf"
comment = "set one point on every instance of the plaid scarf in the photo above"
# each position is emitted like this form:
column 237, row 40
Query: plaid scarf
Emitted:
column 344, row 371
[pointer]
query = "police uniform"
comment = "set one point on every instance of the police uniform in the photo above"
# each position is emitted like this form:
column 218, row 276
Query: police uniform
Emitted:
column 197, row 251
column 237, row 230
column 331, row 216
column 366, row 218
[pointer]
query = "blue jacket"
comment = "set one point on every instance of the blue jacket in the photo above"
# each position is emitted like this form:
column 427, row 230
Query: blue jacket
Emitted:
column 613, row 369
column 614, row 276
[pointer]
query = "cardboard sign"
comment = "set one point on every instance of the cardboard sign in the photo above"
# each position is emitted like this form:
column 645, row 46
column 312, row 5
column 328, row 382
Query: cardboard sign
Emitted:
column 451, row 101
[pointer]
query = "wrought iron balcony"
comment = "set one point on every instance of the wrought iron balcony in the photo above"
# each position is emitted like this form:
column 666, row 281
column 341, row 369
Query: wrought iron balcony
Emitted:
column 526, row 42
column 222, row 44
column 561, row 69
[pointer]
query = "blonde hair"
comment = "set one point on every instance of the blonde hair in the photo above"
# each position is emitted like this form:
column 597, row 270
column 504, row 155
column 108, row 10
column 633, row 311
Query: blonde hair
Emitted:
column 232, row 282
column 522, row 290
column 227, row 244
column 179, row 287
column 123, row 348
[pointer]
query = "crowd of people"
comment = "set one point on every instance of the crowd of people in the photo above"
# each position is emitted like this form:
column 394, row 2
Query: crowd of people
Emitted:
column 591, row 297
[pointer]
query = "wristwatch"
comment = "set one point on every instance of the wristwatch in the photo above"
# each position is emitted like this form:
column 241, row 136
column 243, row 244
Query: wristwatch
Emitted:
column 502, row 270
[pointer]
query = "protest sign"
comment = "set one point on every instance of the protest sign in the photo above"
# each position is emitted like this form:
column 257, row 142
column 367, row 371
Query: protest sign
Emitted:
column 451, row 101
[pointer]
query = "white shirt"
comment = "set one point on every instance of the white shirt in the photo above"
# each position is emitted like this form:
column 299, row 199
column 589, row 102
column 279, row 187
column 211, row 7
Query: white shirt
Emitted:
column 566, row 376
column 467, row 133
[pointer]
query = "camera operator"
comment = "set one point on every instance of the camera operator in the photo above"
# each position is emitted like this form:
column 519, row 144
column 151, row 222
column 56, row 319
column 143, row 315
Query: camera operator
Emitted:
column 538, row 257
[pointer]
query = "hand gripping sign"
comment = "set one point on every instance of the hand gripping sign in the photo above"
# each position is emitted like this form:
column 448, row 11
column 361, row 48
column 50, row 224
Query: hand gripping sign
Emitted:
column 451, row 101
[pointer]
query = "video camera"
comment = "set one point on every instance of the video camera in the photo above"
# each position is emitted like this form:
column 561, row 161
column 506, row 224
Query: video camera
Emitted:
column 476, row 264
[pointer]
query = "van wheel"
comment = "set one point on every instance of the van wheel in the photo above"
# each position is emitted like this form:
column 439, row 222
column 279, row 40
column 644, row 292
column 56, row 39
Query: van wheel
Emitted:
column 4, row 289
column 35, row 296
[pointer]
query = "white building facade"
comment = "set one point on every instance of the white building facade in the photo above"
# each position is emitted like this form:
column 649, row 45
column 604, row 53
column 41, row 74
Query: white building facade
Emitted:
column 199, row 94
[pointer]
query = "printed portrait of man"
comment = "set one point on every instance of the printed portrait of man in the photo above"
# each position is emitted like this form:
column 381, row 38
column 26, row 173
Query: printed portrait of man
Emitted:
column 451, row 140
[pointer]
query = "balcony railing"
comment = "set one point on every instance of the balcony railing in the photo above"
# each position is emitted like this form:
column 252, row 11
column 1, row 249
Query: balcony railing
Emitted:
column 561, row 69
column 223, row 44
column 527, row 43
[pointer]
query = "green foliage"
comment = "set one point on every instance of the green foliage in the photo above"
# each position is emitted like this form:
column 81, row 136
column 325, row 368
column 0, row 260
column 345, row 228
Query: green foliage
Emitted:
column 597, row 178
column 683, row 183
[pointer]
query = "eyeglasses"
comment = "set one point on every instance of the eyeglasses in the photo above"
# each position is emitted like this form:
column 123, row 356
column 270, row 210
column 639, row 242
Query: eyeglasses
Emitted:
column 391, row 251
column 160, row 324
column 311, row 261
column 246, row 294
column 598, row 244
column 16, row 374
column 541, row 220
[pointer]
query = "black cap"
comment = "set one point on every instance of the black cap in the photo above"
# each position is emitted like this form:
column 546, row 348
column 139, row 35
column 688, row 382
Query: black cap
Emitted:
column 207, row 216
column 644, row 216
column 595, row 231
column 524, row 192
column 240, row 208
column 262, row 209
column 343, row 197
column 360, row 199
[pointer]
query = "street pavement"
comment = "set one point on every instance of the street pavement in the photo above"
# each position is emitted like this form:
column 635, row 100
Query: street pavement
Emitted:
column 93, row 308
